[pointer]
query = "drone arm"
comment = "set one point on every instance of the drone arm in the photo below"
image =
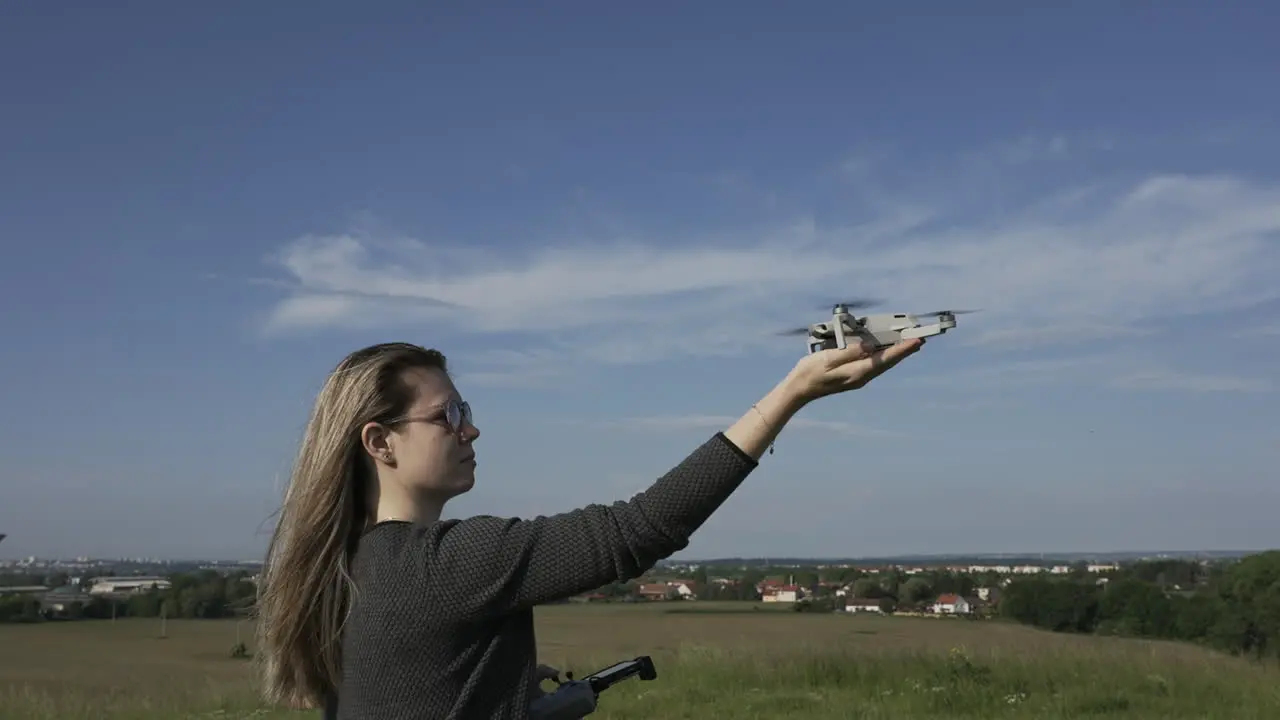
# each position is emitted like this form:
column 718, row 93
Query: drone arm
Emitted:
column 484, row 567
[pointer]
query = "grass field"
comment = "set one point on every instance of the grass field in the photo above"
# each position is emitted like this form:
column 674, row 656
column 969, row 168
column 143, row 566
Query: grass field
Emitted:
column 713, row 661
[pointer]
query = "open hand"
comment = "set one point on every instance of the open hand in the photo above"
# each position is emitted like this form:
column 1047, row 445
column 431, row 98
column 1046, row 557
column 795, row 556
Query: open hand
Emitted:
column 828, row 372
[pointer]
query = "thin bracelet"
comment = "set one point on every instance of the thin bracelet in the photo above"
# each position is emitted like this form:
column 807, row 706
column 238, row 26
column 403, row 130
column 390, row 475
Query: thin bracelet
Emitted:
column 767, row 424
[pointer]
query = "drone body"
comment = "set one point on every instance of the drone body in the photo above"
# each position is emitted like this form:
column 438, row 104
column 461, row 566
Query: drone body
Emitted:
column 877, row 331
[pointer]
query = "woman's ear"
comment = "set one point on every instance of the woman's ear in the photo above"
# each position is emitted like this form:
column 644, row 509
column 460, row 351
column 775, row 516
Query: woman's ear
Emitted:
column 376, row 440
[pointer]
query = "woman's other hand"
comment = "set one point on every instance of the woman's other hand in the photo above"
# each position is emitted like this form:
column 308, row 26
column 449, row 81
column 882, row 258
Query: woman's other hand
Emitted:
column 542, row 673
column 545, row 672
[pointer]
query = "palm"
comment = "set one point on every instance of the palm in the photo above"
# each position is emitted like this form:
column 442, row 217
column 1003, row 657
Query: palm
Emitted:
column 828, row 372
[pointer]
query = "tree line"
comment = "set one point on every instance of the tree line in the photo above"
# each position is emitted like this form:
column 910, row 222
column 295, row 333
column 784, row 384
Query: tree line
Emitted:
column 896, row 587
column 1233, row 607
column 205, row 594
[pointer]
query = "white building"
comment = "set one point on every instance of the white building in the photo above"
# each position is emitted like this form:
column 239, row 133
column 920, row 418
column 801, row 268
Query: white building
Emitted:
column 683, row 590
column 780, row 594
column 857, row 605
column 112, row 585
column 951, row 605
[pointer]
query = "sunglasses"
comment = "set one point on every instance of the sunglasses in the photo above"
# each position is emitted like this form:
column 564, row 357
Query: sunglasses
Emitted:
column 456, row 414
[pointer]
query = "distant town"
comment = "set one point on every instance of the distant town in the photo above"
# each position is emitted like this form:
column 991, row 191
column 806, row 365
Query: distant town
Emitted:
column 1169, row 594
column 1006, row 563
column 57, row 583
column 1019, row 563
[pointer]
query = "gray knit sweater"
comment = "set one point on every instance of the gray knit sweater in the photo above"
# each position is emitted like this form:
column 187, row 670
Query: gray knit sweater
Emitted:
column 442, row 623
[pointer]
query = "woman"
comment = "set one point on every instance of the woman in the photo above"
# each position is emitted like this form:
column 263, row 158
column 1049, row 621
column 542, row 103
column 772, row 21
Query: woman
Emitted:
column 373, row 606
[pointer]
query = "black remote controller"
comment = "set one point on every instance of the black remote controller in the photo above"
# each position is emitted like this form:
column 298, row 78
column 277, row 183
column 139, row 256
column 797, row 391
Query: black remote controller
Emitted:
column 575, row 699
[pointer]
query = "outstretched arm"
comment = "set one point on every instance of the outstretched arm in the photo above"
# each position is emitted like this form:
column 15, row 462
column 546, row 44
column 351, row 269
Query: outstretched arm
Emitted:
column 487, row 566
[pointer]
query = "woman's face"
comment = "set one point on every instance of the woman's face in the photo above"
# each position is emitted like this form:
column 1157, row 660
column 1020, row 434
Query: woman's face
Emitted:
column 433, row 449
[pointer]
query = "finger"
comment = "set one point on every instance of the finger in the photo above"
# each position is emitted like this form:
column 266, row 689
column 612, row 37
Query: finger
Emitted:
column 850, row 353
column 899, row 350
column 884, row 360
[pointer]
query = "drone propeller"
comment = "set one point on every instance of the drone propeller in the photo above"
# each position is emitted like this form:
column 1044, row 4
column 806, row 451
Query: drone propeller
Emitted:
column 860, row 304
column 794, row 332
column 936, row 313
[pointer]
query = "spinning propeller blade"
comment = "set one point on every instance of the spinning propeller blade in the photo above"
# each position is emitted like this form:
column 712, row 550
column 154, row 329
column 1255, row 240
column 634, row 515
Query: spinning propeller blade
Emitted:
column 860, row 304
column 793, row 332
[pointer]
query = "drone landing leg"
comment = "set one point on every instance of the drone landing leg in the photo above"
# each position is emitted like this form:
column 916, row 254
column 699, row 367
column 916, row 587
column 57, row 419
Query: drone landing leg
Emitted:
column 837, row 324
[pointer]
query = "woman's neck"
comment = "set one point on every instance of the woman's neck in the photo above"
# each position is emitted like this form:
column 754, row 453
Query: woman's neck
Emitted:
column 394, row 503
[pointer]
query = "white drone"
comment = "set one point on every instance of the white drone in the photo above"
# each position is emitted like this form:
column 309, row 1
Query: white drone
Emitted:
column 879, row 331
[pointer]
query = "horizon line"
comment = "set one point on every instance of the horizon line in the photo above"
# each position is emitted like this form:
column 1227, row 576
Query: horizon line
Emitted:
column 724, row 558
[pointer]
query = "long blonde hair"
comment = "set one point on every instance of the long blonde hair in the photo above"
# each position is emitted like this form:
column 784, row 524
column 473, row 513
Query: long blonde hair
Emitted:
column 305, row 591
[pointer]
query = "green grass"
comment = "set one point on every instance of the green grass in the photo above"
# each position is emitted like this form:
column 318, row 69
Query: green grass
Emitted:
column 721, row 608
column 724, row 661
column 853, row 685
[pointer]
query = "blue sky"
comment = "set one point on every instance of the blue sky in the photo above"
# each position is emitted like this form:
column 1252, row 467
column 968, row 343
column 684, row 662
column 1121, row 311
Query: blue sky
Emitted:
column 202, row 209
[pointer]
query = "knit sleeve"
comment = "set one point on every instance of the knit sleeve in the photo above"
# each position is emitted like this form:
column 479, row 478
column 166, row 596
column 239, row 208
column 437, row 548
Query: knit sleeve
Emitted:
column 485, row 566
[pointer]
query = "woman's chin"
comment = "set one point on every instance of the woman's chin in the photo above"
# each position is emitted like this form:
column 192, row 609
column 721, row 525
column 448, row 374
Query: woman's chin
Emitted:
column 465, row 480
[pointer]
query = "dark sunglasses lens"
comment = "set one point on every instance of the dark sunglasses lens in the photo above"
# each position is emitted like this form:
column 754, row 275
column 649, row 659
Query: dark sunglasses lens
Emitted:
column 466, row 412
column 453, row 414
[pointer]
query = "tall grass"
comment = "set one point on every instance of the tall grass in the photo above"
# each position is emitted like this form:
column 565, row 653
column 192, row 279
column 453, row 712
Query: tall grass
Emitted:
column 767, row 666
column 822, row 685
column 705, row 682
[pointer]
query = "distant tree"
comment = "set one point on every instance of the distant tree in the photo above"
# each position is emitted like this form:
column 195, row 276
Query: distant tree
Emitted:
column 20, row 609
column 1166, row 573
column 1194, row 617
column 890, row 581
column 815, row 605
column 1231, row 606
column 846, row 575
column 867, row 588
column 747, row 587
column 700, row 576
column 1250, row 590
column 949, row 582
column 1133, row 607
column 1059, row 605
column 916, row 590
column 806, row 577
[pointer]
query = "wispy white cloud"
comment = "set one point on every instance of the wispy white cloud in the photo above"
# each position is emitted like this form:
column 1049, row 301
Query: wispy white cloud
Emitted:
column 1171, row 380
column 1053, row 335
column 1028, row 148
column 506, row 368
column 1121, row 370
column 1019, row 374
column 1084, row 262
